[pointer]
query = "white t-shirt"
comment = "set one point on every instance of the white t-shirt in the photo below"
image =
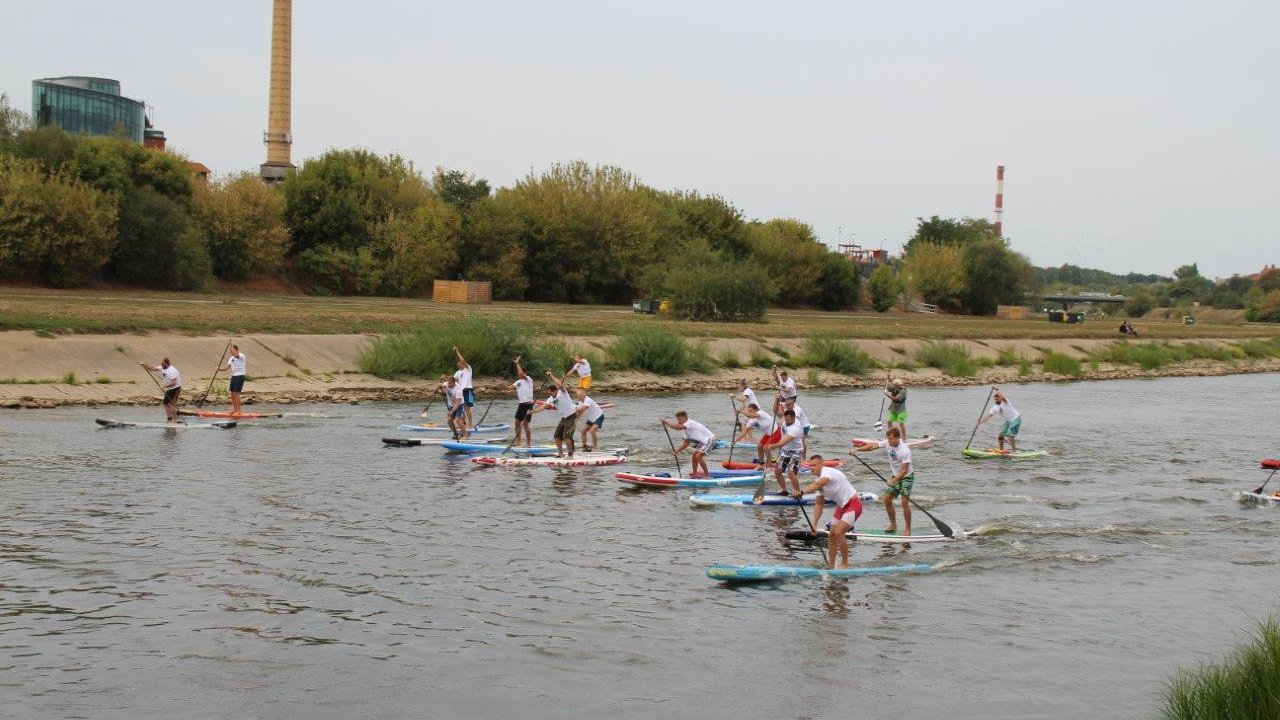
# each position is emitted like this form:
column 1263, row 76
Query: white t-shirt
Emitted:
column 591, row 409
column 583, row 367
column 237, row 363
column 838, row 488
column 524, row 389
column 464, row 377
column 763, row 422
column 1005, row 410
column 565, row 404
column 787, row 387
column 795, row 431
column 801, row 417
column 455, row 394
column 170, row 373
column 750, row 396
column 697, row 432
column 898, row 456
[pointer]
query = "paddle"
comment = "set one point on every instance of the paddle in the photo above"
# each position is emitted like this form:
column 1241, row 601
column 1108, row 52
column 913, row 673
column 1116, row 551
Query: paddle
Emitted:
column 216, row 370
column 880, row 419
column 495, row 397
column 1264, row 484
column 515, row 435
column 943, row 528
column 980, row 414
column 153, row 378
column 674, row 454
column 429, row 401
column 764, row 472
column 733, row 436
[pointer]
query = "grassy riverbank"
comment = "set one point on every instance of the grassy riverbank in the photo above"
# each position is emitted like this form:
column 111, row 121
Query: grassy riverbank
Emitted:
column 132, row 311
column 1244, row 686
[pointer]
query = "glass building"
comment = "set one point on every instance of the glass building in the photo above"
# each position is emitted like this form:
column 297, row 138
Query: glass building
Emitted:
column 87, row 106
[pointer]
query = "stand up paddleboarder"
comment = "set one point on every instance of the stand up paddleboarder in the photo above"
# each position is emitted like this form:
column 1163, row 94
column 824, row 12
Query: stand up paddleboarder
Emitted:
column 589, row 410
column 171, row 384
column 792, row 445
column 897, row 396
column 903, row 478
column 1012, row 421
column 236, row 363
column 833, row 485
column 568, row 410
column 463, row 375
column 524, row 403
column 697, row 436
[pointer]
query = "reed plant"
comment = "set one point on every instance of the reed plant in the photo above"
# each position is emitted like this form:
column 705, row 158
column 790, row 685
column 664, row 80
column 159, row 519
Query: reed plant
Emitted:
column 831, row 353
column 1062, row 364
column 489, row 345
column 657, row 349
column 951, row 358
column 1244, row 686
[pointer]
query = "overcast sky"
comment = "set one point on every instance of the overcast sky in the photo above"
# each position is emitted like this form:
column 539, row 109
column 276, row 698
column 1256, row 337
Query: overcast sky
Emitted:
column 1137, row 135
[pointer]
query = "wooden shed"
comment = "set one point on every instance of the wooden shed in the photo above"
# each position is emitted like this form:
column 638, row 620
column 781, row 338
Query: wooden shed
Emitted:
column 462, row 291
column 1013, row 312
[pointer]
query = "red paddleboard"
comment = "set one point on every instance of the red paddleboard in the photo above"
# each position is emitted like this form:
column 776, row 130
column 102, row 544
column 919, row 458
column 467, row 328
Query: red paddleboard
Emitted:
column 737, row 465
column 1271, row 464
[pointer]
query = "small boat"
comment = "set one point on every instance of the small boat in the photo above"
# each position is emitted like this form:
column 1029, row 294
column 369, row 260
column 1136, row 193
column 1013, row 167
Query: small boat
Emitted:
column 220, row 425
column 998, row 453
column 879, row 536
column 742, row 465
column 416, row 442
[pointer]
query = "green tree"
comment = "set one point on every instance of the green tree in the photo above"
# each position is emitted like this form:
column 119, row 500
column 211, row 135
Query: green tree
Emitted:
column 883, row 287
column 994, row 275
column 1140, row 302
column 950, row 231
column 1265, row 308
column 150, row 226
column 1269, row 280
column 839, row 282
column 1188, row 285
column 709, row 286
column 792, row 256
column 242, row 221
column 936, row 273
column 48, row 146
column 459, row 189
column 492, row 248
column 408, row 253
column 13, row 123
column 52, row 227
column 713, row 219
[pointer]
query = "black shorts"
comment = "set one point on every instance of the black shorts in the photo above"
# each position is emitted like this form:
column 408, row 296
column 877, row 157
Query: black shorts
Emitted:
column 171, row 396
column 523, row 410
column 564, row 430
column 237, row 383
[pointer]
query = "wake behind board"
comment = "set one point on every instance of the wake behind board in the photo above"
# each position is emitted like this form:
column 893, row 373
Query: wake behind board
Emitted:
column 1248, row 498
column 434, row 428
column 761, row 573
column 995, row 453
column 879, row 536
column 416, row 442
column 666, row 481
column 579, row 460
column 221, row 425
column 914, row 444
column 744, row 500
column 227, row 414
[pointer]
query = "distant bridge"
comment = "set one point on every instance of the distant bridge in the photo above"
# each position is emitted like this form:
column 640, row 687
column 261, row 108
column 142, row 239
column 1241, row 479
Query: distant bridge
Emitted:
column 1069, row 300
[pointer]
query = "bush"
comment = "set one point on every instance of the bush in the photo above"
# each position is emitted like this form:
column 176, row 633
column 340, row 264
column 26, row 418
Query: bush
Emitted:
column 707, row 286
column 192, row 270
column 840, row 356
column 1242, row 687
column 656, row 349
column 1259, row 348
column 1062, row 364
column 951, row 359
column 883, row 287
column 729, row 359
column 761, row 358
column 1152, row 355
column 489, row 344
column 1009, row 357
column 936, row 273
column 150, row 227
column 54, row 228
column 242, row 219
column 1265, row 308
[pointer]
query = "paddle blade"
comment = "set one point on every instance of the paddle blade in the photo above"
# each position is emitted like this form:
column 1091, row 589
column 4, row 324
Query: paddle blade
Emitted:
column 1264, row 483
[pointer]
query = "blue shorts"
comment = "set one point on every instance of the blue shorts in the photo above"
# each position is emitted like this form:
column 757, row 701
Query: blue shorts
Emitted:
column 468, row 397
column 1010, row 429
column 806, row 430
column 598, row 422
column 458, row 411
column 237, row 383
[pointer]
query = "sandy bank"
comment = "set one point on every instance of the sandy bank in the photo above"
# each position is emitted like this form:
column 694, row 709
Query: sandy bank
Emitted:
column 287, row 369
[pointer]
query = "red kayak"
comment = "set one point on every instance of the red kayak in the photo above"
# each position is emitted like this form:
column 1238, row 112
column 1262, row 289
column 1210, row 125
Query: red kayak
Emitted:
column 222, row 414
column 1271, row 464
column 736, row 465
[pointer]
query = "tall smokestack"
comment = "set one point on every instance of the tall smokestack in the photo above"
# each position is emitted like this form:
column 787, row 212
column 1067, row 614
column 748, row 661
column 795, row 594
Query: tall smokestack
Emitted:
column 999, row 201
column 279, row 134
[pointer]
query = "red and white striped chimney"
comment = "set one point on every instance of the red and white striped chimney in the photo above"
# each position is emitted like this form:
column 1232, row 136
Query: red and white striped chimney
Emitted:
column 999, row 201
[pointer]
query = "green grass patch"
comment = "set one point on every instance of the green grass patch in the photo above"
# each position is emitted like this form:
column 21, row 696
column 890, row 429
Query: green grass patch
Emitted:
column 1024, row 367
column 951, row 358
column 1259, row 349
column 780, row 352
column 831, row 353
column 70, row 378
column 1155, row 355
column 729, row 359
column 812, row 378
column 761, row 358
column 489, row 344
column 41, row 332
column 1241, row 687
column 659, row 350
column 1062, row 364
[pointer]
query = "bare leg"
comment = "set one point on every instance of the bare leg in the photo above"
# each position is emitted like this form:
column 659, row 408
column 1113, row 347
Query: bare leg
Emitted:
column 777, row 475
column 893, row 516
column 906, row 516
column 838, row 543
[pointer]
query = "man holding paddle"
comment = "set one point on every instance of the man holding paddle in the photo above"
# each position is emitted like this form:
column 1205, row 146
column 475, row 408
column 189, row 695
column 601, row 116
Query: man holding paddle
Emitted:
column 590, row 411
column 568, row 410
column 236, row 363
column 524, row 403
column 697, row 436
column 903, row 480
column 897, row 397
column 792, row 444
column 463, row 376
column 757, row 419
column 171, row 384
column 833, row 485
column 1012, row 421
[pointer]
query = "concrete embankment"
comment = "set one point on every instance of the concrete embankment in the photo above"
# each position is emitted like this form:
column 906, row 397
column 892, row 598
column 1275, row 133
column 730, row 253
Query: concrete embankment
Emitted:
column 103, row 369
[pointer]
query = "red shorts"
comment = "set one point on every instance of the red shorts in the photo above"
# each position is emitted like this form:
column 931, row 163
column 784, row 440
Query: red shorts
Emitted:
column 772, row 437
column 850, row 511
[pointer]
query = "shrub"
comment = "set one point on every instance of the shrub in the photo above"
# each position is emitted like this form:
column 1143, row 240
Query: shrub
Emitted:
column 728, row 358
column 1265, row 308
column 1242, row 687
column 707, row 286
column 656, row 349
column 1009, row 357
column 883, row 287
column 489, row 344
column 840, row 356
column 936, row 273
column 1259, row 348
column 150, row 228
column 242, row 219
column 951, row 359
column 1062, row 364
column 761, row 358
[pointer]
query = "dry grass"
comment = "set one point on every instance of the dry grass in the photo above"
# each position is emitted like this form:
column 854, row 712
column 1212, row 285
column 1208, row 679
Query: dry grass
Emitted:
column 110, row 311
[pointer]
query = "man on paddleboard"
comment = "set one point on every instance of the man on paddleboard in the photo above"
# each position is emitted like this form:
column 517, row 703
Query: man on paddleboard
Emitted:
column 757, row 419
column 833, row 485
column 464, row 381
column 1012, row 421
column 457, row 407
column 786, row 388
column 524, row 403
column 236, row 363
column 903, row 476
column 697, row 436
column 897, row 396
column 583, row 368
column 803, row 419
column 792, row 444
column 589, row 410
column 746, row 396
column 568, row 410
column 171, row 384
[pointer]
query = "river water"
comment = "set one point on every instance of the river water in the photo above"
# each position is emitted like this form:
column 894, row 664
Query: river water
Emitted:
column 296, row 568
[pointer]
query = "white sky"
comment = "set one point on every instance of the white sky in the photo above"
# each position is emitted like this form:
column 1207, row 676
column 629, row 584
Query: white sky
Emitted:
column 1137, row 135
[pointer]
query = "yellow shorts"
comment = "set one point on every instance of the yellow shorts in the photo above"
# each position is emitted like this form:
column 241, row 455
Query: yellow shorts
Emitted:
column 585, row 383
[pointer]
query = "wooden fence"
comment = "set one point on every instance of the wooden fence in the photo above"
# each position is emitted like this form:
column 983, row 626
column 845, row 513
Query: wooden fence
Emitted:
column 462, row 291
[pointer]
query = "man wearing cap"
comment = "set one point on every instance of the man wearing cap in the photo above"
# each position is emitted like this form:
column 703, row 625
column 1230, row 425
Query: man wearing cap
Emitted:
column 897, row 395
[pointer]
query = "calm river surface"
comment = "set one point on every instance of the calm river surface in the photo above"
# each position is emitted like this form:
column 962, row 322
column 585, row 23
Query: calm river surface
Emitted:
column 296, row 568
